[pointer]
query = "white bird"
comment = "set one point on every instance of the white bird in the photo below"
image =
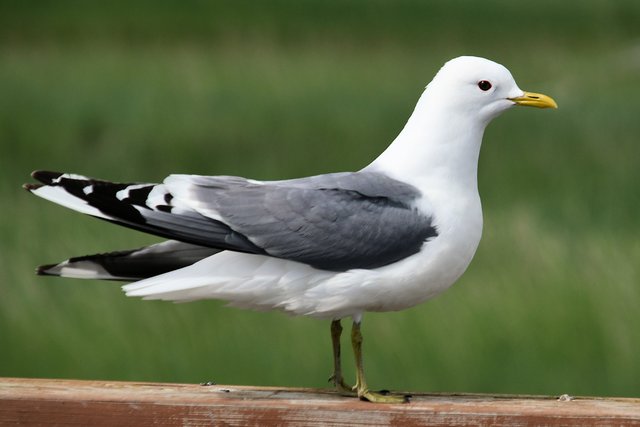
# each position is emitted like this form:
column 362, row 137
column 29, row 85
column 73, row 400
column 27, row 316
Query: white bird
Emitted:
column 387, row 237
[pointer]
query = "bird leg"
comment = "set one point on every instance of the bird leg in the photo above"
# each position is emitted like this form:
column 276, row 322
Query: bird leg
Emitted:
column 337, row 379
column 361, row 384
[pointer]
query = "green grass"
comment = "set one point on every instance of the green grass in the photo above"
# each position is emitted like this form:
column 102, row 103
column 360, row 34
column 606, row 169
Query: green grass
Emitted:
column 550, row 303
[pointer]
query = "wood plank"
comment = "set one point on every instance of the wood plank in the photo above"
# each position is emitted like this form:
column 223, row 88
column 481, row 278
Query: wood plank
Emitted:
column 97, row 403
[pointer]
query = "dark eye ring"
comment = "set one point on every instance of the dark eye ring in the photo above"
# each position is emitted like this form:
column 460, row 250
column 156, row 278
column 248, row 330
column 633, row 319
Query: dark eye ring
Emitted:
column 484, row 85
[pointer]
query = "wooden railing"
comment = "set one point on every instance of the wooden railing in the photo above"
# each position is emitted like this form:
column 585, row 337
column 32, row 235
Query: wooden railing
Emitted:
column 95, row 403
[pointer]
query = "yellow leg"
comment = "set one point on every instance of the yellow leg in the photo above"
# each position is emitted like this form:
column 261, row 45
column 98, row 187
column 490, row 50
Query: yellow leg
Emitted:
column 361, row 384
column 337, row 379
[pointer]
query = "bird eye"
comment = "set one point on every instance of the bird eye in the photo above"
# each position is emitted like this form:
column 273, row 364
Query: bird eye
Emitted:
column 484, row 85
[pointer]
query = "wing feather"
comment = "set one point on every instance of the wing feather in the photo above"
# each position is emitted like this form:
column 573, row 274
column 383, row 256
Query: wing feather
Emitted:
column 333, row 222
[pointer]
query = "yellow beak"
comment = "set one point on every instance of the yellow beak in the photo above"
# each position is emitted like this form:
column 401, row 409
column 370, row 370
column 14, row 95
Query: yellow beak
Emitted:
column 530, row 99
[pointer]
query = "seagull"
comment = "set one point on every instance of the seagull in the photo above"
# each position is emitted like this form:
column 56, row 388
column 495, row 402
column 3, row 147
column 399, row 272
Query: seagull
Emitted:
column 385, row 238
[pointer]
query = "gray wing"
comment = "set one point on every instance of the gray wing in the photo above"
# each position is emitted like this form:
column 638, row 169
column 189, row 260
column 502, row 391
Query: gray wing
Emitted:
column 333, row 222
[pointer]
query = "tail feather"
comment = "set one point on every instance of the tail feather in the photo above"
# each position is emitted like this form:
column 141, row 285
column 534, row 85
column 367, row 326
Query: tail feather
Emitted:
column 130, row 265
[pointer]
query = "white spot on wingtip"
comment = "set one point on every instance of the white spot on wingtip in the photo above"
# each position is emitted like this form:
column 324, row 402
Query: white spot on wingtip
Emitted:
column 122, row 194
column 67, row 176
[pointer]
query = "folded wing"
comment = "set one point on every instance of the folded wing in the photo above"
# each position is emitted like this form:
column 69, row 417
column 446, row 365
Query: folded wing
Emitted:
column 333, row 222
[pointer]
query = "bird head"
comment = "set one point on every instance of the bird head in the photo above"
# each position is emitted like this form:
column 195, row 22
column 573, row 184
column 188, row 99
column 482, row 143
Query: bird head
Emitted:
column 481, row 87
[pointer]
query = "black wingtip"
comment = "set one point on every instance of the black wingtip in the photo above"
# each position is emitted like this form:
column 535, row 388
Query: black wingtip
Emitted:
column 43, row 270
column 30, row 186
column 46, row 177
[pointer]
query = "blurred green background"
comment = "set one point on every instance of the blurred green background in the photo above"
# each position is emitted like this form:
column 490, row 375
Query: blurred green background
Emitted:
column 281, row 89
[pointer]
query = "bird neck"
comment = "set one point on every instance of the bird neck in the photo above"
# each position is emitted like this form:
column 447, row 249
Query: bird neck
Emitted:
column 439, row 146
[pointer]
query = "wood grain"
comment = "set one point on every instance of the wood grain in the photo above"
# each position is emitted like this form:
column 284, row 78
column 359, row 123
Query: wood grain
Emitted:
column 97, row 403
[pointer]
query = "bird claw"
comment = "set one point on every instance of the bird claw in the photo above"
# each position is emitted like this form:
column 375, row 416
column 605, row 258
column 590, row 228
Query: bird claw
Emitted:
column 341, row 386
